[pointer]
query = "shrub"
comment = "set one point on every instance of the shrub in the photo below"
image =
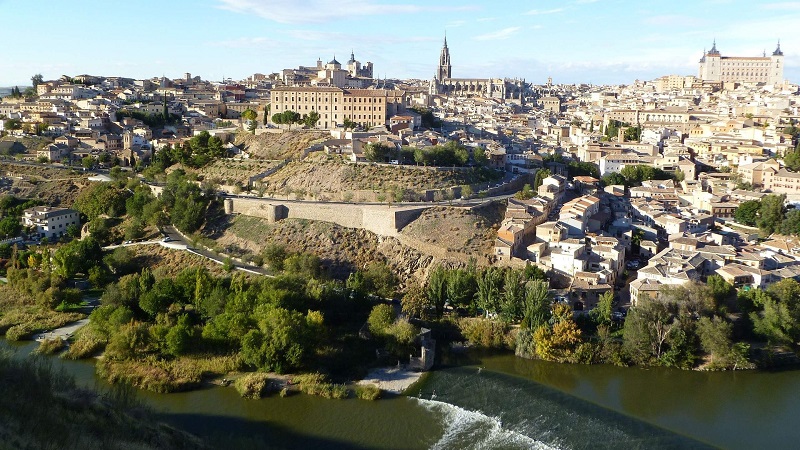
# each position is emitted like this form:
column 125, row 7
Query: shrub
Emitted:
column 50, row 346
column 317, row 384
column 17, row 332
column 252, row 385
column 486, row 333
column 87, row 344
column 367, row 392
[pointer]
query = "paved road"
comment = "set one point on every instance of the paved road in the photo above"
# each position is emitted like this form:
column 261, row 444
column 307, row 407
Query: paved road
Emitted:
column 177, row 241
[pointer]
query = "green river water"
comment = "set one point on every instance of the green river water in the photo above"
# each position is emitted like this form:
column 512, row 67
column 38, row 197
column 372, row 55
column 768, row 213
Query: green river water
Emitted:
column 490, row 400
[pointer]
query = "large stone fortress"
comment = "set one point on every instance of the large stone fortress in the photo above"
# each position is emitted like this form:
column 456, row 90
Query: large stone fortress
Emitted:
column 742, row 69
column 444, row 84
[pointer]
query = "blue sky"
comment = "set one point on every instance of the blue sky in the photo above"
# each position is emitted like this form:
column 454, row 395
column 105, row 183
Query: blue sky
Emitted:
column 589, row 41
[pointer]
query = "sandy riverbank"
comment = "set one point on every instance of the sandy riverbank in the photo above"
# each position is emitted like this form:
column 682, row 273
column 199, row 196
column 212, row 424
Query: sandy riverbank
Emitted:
column 392, row 379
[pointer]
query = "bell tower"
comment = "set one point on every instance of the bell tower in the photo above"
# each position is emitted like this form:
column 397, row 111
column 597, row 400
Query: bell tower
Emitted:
column 444, row 70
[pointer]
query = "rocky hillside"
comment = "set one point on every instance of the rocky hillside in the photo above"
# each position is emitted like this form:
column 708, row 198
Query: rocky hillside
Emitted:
column 278, row 146
column 328, row 176
column 422, row 245
column 458, row 233
column 53, row 186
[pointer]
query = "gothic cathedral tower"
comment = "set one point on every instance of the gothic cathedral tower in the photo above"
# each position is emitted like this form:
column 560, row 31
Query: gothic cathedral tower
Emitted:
column 444, row 70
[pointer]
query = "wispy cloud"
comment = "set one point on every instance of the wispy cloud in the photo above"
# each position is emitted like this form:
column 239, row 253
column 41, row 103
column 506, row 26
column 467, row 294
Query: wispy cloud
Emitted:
column 248, row 42
column 673, row 20
column 540, row 12
column 311, row 11
column 782, row 6
column 505, row 33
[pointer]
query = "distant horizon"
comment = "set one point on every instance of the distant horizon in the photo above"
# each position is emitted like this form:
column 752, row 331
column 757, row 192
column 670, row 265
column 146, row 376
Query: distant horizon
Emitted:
column 598, row 42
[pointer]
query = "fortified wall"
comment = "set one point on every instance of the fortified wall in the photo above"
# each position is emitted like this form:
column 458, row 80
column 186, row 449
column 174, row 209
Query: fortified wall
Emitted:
column 383, row 220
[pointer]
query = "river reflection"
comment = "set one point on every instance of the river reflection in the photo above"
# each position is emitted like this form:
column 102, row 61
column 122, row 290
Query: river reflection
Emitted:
column 744, row 409
column 509, row 402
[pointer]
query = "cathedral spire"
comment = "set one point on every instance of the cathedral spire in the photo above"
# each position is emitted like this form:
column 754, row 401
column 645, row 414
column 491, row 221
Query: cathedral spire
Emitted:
column 444, row 70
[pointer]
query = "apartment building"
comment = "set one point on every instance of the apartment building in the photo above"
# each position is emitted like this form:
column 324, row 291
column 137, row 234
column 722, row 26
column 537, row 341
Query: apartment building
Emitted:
column 50, row 222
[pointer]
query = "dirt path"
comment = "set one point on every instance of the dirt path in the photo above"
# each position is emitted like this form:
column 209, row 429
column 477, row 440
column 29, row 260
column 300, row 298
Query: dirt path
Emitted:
column 64, row 332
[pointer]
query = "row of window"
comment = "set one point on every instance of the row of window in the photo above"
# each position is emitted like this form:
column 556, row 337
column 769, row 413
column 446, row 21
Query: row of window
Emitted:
column 335, row 99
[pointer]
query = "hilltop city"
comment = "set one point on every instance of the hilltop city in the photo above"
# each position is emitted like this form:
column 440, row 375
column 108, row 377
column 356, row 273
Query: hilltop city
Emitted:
column 367, row 218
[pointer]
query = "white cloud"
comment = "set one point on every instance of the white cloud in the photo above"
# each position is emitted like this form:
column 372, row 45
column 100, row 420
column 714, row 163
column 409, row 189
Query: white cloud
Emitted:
column 539, row 12
column 505, row 33
column 783, row 6
column 314, row 11
column 248, row 42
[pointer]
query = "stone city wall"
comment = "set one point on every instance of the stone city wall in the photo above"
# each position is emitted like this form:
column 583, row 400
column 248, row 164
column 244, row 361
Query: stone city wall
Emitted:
column 384, row 220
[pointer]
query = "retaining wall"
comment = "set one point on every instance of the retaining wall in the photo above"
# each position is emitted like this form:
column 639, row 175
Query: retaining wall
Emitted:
column 384, row 220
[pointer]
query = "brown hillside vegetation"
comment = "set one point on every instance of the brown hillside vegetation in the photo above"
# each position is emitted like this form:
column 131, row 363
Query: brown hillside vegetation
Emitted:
column 320, row 173
column 54, row 187
column 230, row 171
column 461, row 232
column 341, row 249
column 285, row 145
column 24, row 144
column 169, row 262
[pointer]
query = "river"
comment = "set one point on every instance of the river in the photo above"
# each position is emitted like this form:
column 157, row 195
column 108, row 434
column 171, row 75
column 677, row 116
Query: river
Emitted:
column 490, row 400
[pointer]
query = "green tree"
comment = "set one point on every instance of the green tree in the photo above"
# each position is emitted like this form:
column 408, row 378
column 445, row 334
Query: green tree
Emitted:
column 415, row 301
column 487, row 297
column 380, row 318
column 775, row 323
column 10, row 227
column 310, row 120
column 281, row 341
column 461, row 287
column 512, row 300
column 601, row 314
column 721, row 290
column 349, row 124
column 541, row 174
column 792, row 160
column 37, row 79
column 179, row 337
column 715, row 339
column 771, row 213
column 479, row 156
column 649, row 328
column 378, row 152
column 614, row 179
column 747, row 212
column 537, row 305
column 436, row 289
column 526, row 193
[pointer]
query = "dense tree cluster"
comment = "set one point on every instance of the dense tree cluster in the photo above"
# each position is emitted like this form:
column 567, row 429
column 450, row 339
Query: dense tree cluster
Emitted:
column 273, row 324
column 633, row 175
column 380, row 152
column 449, row 154
column 491, row 292
column 198, row 151
column 153, row 120
column 770, row 215
column 427, row 118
